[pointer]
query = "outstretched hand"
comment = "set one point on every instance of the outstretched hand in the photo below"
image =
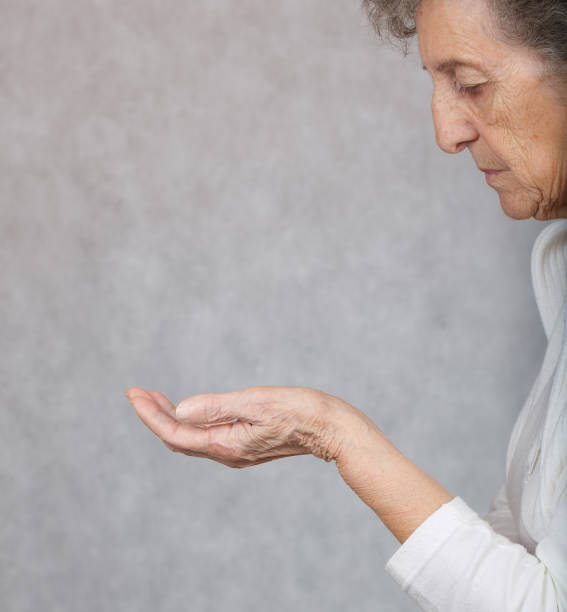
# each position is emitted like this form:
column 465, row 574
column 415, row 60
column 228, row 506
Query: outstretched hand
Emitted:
column 247, row 427
column 259, row 424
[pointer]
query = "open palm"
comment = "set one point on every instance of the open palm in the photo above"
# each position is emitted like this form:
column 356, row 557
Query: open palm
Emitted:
column 240, row 428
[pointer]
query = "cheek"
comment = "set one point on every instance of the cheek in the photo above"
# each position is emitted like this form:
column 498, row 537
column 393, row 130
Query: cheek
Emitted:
column 512, row 132
column 539, row 141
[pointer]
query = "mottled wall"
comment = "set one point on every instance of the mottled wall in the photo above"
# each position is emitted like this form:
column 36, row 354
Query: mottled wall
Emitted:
column 206, row 196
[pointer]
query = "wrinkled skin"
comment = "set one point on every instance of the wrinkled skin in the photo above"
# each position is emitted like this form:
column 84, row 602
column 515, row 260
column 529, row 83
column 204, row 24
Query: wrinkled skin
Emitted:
column 251, row 426
column 499, row 104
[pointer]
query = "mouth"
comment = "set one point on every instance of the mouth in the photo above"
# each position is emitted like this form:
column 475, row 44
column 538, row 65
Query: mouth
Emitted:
column 490, row 173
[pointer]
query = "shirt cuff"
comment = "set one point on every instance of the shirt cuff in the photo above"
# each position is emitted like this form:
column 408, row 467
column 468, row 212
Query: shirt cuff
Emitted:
column 426, row 540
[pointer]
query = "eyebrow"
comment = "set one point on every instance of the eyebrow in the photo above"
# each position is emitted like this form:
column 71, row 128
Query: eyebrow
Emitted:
column 451, row 64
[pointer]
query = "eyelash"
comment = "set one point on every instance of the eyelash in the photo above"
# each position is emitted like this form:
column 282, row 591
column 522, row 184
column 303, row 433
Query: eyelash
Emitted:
column 471, row 90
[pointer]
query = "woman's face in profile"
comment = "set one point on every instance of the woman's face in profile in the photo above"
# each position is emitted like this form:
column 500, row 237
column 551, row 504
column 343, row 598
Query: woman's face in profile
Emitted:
column 494, row 99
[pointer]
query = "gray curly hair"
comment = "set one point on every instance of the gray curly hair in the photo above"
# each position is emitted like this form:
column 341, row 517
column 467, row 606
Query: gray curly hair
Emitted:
column 540, row 24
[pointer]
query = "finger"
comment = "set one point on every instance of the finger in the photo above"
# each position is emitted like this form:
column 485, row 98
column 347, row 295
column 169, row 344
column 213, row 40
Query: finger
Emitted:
column 151, row 413
column 164, row 425
column 163, row 402
column 217, row 408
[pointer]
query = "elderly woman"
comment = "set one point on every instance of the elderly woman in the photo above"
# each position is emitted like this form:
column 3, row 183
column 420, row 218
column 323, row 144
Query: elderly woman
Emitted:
column 499, row 71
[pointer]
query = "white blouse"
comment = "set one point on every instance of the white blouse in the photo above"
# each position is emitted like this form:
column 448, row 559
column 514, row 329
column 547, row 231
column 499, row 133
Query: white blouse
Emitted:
column 515, row 557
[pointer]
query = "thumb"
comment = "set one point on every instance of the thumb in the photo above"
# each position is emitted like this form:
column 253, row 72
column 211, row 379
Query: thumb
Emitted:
column 210, row 409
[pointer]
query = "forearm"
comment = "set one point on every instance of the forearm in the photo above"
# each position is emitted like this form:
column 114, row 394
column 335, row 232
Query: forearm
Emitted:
column 400, row 492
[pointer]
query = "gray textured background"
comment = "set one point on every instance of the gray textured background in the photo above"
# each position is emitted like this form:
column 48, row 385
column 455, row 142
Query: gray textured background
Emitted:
column 203, row 197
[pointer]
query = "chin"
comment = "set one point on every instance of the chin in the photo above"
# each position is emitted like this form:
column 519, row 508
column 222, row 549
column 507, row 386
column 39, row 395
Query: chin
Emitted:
column 517, row 207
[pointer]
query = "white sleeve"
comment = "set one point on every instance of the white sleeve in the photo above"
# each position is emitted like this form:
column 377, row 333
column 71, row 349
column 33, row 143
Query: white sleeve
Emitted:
column 456, row 562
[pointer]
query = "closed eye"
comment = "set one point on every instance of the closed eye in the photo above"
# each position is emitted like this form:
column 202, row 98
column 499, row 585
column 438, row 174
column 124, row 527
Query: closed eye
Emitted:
column 466, row 90
column 469, row 90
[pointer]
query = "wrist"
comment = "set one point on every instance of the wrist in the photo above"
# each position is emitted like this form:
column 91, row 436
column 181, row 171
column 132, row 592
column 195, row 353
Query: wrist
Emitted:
column 361, row 437
column 345, row 433
column 326, row 427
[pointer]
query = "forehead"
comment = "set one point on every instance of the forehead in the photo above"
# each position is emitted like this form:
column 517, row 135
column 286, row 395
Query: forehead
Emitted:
column 453, row 33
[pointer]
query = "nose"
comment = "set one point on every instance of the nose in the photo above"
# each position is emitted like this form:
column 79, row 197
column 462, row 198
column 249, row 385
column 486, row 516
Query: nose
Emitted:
column 453, row 128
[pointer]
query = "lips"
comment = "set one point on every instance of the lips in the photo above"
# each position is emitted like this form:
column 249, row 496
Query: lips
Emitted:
column 490, row 175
